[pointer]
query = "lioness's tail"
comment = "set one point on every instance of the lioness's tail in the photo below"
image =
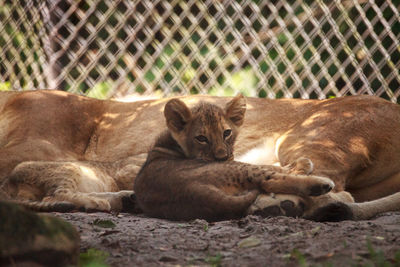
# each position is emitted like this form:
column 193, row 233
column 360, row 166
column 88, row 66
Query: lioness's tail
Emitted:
column 339, row 211
column 41, row 206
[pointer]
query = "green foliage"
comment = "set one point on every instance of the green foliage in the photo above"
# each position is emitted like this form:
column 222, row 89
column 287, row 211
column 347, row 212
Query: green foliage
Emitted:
column 244, row 81
column 6, row 86
column 101, row 90
column 215, row 261
column 377, row 257
column 23, row 41
column 93, row 258
column 299, row 257
column 104, row 223
column 188, row 62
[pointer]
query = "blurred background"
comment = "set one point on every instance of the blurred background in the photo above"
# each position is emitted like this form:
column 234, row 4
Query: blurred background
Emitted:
column 264, row 48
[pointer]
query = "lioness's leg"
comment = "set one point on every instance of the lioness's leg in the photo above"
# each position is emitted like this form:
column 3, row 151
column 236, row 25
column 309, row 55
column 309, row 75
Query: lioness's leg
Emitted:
column 82, row 201
column 64, row 181
column 333, row 206
column 340, row 206
column 124, row 200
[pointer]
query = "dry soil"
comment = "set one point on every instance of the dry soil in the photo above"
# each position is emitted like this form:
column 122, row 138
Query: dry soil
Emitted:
column 135, row 240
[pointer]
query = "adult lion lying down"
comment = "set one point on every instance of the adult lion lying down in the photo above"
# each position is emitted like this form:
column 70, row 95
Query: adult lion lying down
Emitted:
column 55, row 146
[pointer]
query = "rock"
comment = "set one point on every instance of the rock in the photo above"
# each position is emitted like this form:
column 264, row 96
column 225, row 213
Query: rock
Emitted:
column 40, row 239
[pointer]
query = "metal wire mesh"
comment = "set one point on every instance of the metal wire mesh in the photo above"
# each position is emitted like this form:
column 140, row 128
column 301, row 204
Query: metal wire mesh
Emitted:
column 265, row 48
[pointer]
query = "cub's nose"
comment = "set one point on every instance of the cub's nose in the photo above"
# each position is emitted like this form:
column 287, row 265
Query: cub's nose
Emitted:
column 221, row 154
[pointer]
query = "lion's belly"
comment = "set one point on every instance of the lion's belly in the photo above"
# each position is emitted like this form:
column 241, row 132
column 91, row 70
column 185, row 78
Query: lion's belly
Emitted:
column 264, row 153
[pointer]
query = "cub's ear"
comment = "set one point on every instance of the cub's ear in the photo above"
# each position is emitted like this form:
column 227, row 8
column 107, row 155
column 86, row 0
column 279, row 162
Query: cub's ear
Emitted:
column 177, row 114
column 235, row 110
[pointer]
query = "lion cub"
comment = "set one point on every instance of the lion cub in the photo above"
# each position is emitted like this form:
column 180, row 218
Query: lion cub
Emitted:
column 190, row 172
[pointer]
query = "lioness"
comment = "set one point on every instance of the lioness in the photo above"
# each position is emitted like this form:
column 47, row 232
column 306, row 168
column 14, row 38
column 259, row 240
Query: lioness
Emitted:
column 189, row 174
column 355, row 141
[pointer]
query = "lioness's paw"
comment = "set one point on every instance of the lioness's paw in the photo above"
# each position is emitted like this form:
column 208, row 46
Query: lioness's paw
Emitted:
column 96, row 204
column 124, row 193
column 129, row 204
column 321, row 186
column 300, row 166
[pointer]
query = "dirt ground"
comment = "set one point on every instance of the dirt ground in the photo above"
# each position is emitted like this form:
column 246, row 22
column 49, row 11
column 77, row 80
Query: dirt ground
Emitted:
column 134, row 240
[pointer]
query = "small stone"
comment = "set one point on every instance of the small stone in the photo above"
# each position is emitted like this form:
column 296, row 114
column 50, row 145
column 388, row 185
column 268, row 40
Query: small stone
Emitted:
column 167, row 258
column 249, row 242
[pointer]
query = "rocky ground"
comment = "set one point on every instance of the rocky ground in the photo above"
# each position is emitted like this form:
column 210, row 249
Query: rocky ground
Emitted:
column 134, row 240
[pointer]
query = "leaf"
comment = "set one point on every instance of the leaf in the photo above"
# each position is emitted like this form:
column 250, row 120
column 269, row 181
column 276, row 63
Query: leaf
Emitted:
column 300, row 234
column 301, row 259
column 214, row 261
column 93, row 258
column 249, row 242
column 167, row 258
column 104, row 223
column 315, row 230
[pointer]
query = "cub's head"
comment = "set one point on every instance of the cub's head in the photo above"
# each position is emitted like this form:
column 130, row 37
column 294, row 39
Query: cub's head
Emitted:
column 205, row 132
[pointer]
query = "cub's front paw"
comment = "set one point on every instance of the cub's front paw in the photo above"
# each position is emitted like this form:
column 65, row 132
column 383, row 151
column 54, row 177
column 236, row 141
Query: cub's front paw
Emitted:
column 319, row 186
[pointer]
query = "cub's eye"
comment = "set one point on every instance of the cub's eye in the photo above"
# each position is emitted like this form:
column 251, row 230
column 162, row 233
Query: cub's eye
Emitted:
column 227, row 133
column 201, row 139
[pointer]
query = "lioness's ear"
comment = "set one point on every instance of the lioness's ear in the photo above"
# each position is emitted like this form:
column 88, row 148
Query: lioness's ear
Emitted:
column 235, row 110
column 177, row 114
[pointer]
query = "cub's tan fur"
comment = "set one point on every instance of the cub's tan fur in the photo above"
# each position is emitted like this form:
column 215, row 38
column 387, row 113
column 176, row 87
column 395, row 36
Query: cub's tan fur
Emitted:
column 189, row 173
column 355, row 141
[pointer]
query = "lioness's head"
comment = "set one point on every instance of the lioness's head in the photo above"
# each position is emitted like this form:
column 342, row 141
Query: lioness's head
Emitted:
column 206, row 131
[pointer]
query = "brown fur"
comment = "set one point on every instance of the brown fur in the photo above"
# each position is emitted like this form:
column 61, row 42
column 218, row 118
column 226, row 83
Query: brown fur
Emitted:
column 189, row 173
column 355, row 141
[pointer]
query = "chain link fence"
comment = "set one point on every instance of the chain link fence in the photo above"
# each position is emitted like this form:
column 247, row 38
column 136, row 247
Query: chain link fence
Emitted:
column 265, row 48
